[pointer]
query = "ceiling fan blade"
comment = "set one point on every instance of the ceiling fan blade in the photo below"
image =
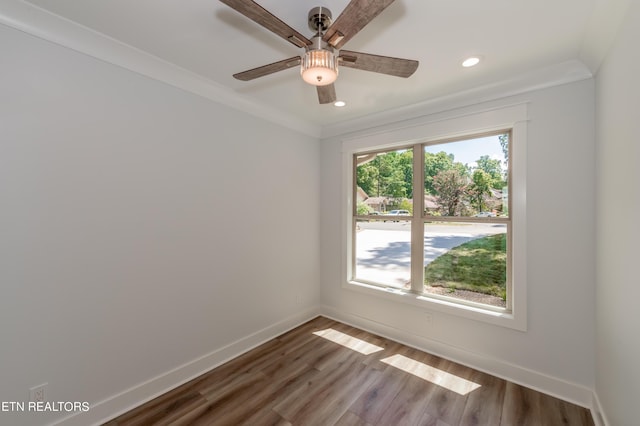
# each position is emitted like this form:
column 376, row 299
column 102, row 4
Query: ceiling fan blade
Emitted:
column 353, row 18
column 268, row 69
column 262, row 16
column 382, row 64
column 327, row 94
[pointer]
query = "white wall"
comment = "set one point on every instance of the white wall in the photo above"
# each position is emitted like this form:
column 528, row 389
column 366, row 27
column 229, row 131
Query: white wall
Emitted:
column 618, row 233
column 555, row 354
column 141, row 227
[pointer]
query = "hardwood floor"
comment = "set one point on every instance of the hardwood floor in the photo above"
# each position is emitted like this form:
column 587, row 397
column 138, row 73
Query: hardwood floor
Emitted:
column 327, row 373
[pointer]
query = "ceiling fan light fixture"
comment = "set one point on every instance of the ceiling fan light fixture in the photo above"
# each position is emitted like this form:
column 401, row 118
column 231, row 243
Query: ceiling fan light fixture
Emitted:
column 322, row 55
column 319, row 67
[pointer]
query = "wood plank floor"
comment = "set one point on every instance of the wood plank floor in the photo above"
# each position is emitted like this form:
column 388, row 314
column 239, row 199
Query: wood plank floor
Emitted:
column 327, row 373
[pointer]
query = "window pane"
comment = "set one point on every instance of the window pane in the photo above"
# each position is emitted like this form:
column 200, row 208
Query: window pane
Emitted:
column 466, row 261
column 383, row 252
column 467, row 178
column 384, row 188
column 384, row 183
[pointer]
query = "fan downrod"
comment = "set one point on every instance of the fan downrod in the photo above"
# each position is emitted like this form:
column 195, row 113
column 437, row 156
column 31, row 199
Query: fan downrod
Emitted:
column 319, row 19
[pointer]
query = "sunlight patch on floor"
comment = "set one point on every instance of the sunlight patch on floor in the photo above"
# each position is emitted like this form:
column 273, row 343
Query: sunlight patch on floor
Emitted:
column 347, row 341
column 431, row 374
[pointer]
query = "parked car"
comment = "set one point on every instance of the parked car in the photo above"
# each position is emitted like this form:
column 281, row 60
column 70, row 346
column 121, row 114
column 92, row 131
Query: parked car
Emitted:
column 485, row 214
column 398, row 213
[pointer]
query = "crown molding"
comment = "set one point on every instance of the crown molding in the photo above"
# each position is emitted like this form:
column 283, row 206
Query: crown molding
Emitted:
column 33, row 20
column 38, row 22
column 555, row 75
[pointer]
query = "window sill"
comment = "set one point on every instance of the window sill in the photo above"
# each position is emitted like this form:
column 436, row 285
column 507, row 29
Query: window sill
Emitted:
column 495, row 317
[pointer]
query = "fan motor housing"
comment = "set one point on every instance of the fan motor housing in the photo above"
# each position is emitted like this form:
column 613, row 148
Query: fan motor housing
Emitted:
column 319, row 19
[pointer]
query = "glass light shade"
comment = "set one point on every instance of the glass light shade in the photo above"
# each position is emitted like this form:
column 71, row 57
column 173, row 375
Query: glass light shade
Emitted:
column 319, row 67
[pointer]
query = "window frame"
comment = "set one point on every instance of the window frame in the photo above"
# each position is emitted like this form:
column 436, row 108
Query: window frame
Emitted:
column 457, row 219
column 510, row 119
column 355, row 216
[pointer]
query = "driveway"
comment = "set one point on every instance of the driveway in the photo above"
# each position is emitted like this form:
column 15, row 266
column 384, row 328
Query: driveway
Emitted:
column 383, row 249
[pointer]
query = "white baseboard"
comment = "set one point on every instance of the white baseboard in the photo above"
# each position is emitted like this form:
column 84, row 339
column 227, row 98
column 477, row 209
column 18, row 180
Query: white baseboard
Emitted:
column 599, row 418
column 571, row 392
column 121, row 403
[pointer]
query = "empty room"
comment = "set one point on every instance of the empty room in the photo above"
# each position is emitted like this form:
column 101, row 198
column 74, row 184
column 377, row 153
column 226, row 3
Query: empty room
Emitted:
column 353, row 212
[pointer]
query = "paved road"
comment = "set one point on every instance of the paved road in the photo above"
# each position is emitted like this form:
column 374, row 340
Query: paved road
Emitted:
column 383, row 249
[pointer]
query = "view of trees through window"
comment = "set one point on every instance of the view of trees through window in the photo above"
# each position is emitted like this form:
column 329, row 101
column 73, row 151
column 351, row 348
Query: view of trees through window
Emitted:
column 466, row 189
column 465, row 217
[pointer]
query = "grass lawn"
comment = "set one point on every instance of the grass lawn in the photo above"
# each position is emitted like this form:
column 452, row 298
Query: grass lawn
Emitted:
column 479, row 265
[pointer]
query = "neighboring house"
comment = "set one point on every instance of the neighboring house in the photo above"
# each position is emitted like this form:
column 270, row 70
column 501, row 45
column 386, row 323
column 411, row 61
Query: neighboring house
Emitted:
column 361, row 196
column 431, row 203
column 382, row 204
column 379, row 203
column 493, row 202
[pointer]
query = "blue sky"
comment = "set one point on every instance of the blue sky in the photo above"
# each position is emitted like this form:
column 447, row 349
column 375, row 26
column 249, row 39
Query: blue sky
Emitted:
column 468, row 151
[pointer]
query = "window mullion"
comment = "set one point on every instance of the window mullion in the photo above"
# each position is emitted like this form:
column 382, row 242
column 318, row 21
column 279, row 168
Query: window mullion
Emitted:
column 417, row 224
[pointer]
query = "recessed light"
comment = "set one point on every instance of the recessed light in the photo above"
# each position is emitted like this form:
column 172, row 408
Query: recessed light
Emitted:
column 339, row 103
column 471, row 61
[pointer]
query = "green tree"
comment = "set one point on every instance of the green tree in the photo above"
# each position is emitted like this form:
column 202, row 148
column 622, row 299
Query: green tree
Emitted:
column 406, row 205
column 362, row 208
column 504, row 143
column 367, row 176
column 434, row 164
column 493, row 168
column 480, row 186
column 405, row 163
column 450, row 187
column 388, row 174
column 394, row 185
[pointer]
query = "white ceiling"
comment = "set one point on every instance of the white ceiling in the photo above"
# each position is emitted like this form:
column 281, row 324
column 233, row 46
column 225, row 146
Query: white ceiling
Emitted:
column 515, row 38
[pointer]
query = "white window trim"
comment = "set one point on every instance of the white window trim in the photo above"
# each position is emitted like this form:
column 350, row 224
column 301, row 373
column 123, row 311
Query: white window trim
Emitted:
column 455, row 125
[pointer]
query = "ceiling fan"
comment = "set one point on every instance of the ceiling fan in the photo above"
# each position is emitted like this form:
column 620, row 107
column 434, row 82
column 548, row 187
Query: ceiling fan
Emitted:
column 323, row 53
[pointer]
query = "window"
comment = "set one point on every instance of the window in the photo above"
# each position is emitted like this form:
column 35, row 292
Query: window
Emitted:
column 462, row 218
column 440, row 223
column 384, row 190
column 466, row 221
